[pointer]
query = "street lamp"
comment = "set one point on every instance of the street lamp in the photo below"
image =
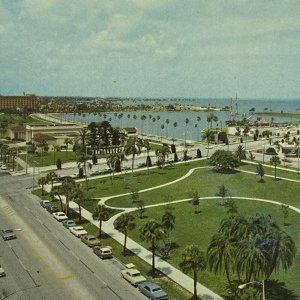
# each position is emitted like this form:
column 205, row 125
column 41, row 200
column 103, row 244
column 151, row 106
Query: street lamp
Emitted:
column 241, row 286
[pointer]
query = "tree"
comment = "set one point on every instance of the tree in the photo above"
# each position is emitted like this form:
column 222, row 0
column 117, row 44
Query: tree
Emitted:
column 141, row 208
column 58, row 164
column 101, row 214
column 207, row 135
column 77, row 195
column 114, row 162
column 175, row 124
column 193, row 261
column 68, row 142
column 152, row 232
column 185, row 131
column 198, row 120
column 168, row 222
column 260, row 171
column 147, row 146
column 43, row 181
column 220, row 252
column 67, row 187
column 133, row 147
column 56, row 193
column 224, row 161
column 240, row 153
column 162, row 153
column 195, row 200
column 51, row 176
column 211, row 118
column 275, row 160
column 123, row 224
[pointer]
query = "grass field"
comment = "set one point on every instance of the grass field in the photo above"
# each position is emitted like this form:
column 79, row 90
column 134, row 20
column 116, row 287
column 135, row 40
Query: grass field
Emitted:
column 199, row 228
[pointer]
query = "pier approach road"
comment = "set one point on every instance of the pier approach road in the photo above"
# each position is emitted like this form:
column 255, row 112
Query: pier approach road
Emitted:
column 46, row 261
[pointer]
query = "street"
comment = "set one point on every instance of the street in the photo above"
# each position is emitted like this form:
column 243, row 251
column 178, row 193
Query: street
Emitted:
column 46, row 261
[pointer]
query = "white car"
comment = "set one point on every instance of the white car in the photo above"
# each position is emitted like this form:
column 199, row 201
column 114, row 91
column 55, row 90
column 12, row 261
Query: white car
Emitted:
column 59, row 216
column 3, row 167
column 78, row 231
column 132, row 275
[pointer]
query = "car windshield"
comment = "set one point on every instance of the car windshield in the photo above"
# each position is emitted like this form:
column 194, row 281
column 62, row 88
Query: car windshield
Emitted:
column 156, row 289
column 136, row 274
column 92, row 239
column 8, row 231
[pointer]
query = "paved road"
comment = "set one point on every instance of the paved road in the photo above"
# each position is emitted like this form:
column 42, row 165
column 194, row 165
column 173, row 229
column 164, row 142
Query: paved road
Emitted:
column 46, row 261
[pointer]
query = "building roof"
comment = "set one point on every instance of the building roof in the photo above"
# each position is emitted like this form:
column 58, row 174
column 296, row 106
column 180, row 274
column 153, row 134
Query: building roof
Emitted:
column 43, row 137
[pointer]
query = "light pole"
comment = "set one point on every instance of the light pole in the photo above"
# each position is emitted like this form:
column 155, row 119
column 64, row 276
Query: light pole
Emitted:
column 241, row 286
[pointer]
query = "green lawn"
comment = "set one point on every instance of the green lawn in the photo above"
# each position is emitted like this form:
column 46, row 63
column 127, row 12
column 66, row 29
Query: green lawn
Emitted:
column 191, row 228
column 198, row 228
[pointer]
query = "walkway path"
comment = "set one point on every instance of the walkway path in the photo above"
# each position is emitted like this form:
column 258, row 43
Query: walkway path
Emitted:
column 169, row 270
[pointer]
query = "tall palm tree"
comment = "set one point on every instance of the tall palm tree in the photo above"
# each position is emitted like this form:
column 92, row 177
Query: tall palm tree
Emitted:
column 152, row 232
column 275, row 160
column 162, row 153
column 67, row 187
column 77, row 195
column 211, row 118
column 51, row 177
column 220, row 254
column 68, row 142
column 101, row 214
column 162, row 127
column 147, row 146
column 143, row 118
column 186, row 121
column 193, row 261
column 198, row 120
column 43, row 181
column 124, row 224
column 167, row 122
column 114, row 162
column 175, row 124
column 207, row 135
column 133, row 147
column 56, row 193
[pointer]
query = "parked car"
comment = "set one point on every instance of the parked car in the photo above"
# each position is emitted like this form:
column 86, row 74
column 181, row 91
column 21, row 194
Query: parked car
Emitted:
column 2, row 272
column 3, row 167
column 103, row 251
column 132, row 275
column 68, row 223
column 152, row 291
column 8, row 234
column 78, row 231
column 51, row 209
column 59, row 216
column 90, row 240
column 45, row 203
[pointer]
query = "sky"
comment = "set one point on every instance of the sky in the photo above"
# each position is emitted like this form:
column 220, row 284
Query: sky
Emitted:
column 151, row 48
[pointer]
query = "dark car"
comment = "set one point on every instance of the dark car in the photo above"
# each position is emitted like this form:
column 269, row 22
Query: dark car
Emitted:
column 69, row 223
column 51, row 209
column 152, row 290
column 8, row 234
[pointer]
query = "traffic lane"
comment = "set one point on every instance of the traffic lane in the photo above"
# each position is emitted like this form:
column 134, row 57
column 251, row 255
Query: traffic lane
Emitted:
column 74, row 253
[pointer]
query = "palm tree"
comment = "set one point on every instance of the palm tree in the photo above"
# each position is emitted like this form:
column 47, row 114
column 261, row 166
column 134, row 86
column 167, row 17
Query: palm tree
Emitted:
column 114, row 162
column 133, row 147
column 211, row 118
column 67, row 187
column 207, row 135
column 195, row 200
column 152, row 232
column 186, row 123
column 167, row 122
column 175, row 124
column 77, row 195
column 68, row 142
column 193, row 260
column 147, row 146
column 198, row 120
column 101, row 214
column 51, row 177
column 162, row 127
column 275, row 160
column 220, row 254
column 43, row 181
column 123, row 224
column 143, row 118
column 56, row 192
column 162, row 153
